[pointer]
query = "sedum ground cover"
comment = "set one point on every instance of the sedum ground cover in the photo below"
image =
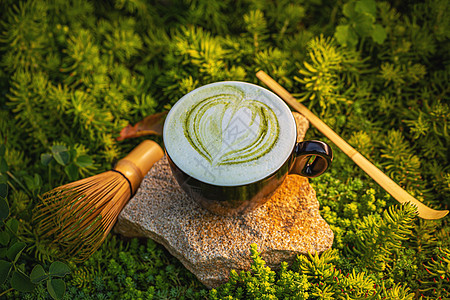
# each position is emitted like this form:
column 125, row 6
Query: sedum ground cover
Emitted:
column 73, row 73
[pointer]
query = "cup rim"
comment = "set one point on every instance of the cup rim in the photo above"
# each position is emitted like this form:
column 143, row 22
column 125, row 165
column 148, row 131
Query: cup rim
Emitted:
column 273, row 95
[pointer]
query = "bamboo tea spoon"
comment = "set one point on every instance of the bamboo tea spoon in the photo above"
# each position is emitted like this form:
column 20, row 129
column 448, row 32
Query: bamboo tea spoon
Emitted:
column 382, row 179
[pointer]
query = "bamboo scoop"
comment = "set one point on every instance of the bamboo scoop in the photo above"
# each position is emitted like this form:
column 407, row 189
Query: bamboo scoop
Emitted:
column 382, row 179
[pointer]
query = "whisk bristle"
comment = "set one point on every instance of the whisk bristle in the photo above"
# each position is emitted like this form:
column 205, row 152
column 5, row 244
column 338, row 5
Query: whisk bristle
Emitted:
column 76, row 218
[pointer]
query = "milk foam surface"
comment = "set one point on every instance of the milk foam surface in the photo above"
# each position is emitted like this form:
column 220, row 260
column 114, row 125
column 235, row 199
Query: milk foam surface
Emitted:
column 229, row 133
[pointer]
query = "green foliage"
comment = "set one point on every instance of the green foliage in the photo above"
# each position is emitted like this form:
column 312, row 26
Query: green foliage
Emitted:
column 69, row 79
column 344, row 202
column 359, row 23
column 56, row 287
column 326, row 78
column 377, row 238
column 75, row 162
column 73, row 73
column 262, row 282
column 131, row 270
column 312, row 276
column 13, row 270
column 439, row 269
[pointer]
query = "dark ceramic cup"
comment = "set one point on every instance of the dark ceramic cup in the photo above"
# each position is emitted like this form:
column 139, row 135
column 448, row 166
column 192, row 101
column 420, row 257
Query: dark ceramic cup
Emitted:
column 231, row 144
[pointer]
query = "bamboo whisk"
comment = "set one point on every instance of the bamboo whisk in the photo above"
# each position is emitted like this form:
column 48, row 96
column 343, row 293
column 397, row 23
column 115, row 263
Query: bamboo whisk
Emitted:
column 76, row 218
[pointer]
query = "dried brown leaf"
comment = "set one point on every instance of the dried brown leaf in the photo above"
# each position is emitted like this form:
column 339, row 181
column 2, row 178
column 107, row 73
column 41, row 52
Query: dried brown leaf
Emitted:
column 150, row 125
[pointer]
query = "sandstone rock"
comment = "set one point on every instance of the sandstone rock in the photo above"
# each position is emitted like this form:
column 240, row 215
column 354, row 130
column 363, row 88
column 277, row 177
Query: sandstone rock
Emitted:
column 302, row 125
column 210, row 245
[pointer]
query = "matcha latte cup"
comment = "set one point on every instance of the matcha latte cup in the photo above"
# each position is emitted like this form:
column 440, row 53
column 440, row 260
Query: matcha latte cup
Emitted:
column 231, row 144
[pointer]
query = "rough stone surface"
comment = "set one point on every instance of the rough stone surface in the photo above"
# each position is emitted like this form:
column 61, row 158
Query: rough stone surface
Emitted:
column 210, row 245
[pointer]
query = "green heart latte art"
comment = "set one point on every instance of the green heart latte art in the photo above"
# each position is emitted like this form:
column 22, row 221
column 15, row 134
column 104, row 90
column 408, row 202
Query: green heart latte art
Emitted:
column 228, row 129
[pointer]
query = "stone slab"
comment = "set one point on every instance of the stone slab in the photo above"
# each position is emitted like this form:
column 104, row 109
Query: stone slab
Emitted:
column 210, row 245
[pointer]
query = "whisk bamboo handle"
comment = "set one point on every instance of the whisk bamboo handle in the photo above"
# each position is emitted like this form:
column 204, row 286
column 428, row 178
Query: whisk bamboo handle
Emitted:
column 382, row 179
column 138, row 162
